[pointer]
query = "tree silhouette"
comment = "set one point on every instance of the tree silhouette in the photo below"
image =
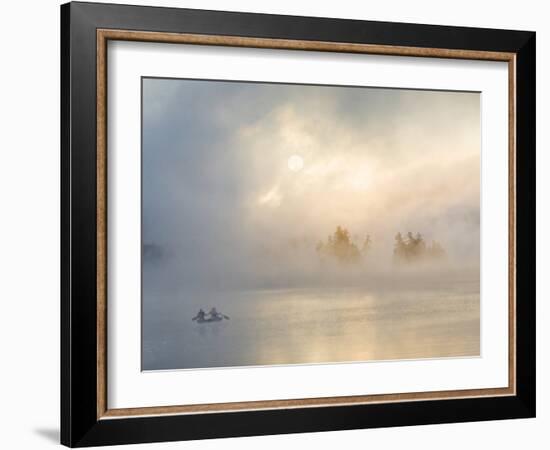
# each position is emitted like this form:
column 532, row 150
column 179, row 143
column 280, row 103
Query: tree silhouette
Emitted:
column 413, row 249
column 340, row 246
column 400, row 248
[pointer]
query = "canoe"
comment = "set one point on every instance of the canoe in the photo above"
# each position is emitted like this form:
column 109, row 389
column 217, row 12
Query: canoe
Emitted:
column 210, row 319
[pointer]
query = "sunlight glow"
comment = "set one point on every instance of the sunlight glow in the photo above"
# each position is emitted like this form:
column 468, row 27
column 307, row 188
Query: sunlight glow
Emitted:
column 295, row 163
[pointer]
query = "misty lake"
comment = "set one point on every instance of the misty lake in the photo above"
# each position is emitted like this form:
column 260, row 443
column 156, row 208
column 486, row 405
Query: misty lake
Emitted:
column 330, row 223
column 311, row 325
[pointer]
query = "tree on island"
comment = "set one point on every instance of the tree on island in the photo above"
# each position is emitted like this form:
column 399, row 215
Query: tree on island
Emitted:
column 413, row 249
column 341, row 247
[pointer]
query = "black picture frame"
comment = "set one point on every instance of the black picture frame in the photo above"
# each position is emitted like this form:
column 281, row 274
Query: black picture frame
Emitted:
column 80, row 425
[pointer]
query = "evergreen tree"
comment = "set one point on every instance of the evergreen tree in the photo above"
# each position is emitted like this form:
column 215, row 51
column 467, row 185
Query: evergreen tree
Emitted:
column 413, row 249
column 340, row 246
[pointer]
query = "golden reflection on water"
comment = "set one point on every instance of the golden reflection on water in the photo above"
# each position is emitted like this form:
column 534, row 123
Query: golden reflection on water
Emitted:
column 320, row 329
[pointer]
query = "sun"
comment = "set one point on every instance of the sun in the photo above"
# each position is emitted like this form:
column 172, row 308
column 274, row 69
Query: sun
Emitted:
column 295, row 163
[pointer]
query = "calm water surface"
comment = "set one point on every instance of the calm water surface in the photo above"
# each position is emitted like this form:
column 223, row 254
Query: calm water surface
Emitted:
column 304, row 326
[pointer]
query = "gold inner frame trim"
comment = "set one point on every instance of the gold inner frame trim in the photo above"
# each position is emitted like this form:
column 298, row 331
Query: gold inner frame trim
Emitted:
column 103, row 36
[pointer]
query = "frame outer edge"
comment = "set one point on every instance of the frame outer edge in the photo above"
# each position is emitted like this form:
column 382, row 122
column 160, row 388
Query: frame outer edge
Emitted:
column 79, row 199
column 79, row 426
column 526, row 224
column 65, row 389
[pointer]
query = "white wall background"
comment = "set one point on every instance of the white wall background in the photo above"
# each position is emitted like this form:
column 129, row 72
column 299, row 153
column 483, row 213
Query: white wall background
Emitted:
column 29, row 225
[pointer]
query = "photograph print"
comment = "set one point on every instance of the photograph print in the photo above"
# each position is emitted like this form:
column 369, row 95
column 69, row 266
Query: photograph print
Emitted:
column 289, row 224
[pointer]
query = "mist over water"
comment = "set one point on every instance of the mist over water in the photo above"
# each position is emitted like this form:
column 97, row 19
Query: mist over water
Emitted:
column 281, row 205
column 400, row 318
column 302, row 313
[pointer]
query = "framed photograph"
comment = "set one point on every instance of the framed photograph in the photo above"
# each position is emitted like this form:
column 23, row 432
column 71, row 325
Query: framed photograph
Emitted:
column 277, row 224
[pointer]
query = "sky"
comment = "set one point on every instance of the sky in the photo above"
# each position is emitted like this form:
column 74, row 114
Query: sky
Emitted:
column 240, row 180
